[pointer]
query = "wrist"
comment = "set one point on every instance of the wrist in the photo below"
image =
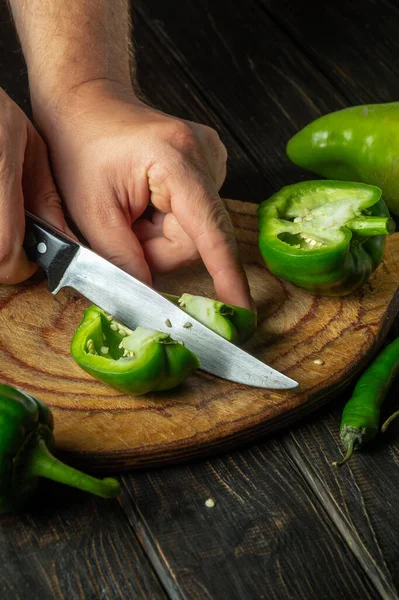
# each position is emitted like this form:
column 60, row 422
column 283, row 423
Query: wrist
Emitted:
column 52, row 106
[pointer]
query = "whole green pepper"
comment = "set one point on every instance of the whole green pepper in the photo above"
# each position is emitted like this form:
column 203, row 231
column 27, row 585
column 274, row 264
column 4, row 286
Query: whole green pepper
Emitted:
column 234, row 323
column 26, row 441
column 324, row 236
column 134, row 362
column 360, row 143
column 361, row 415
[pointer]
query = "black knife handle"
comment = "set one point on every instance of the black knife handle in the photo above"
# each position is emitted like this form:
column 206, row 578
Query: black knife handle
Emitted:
column 48, row 247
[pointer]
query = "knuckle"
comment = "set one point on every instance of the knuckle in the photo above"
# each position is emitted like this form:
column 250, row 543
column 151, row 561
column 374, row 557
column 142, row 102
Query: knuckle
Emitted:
column 213, row 140
column 212, row 135
column 181, row 136
column 215, row 218
column 218, row 215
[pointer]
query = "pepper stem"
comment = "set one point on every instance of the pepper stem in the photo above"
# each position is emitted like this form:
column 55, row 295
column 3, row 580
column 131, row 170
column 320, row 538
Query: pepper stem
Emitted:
column 389, row 421
column 41, row 463
column 369, row 226
column 346, row 457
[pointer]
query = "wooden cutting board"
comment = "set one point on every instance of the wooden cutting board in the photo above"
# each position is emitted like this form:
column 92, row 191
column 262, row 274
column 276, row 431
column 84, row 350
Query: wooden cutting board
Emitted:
column 102, row 428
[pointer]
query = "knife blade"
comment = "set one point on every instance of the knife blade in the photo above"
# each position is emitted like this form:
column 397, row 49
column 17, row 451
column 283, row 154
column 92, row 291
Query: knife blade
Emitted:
column 71, row 264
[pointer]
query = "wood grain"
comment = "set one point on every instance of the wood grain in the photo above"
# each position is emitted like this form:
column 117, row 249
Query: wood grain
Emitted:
column 164, row 84
column 361, row 71
column 69, row 545
column 265, row 538
column 206, row 414
column 251, row 74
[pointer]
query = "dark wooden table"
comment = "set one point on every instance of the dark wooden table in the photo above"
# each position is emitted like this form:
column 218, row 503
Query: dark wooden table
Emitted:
column 285, row 524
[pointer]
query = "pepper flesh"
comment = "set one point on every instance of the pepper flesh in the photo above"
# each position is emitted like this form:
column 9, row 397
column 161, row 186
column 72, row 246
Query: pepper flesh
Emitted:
column 26, row 442
column 134, row 362
column 234, row 323
column 360, row 143
column 324, row 236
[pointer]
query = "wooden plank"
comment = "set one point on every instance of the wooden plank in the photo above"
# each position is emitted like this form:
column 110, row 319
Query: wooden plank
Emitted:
column 362, row 493
column 165, row 85
column 266, row 537
column 241, row 64
column 71, row 546
column 353, row 498
column 360, row 498
column 355, row 44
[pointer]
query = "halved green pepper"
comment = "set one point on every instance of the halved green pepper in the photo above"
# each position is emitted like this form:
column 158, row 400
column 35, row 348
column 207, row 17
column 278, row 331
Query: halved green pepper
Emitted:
column 234, row 323
column 134, row 362
column 26, row 442
column 360, row 143
column 324, row 236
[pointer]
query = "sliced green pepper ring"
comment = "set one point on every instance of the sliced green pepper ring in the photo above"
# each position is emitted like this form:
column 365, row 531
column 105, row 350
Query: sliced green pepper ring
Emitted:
column 324, row 236
column 234, row 323
column 134, row 362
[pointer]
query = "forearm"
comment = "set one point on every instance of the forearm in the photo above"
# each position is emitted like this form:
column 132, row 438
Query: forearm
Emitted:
column 66, row 44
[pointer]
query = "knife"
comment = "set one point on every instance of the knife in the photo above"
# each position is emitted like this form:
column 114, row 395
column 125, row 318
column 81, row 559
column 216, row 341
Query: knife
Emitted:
column 68, row 263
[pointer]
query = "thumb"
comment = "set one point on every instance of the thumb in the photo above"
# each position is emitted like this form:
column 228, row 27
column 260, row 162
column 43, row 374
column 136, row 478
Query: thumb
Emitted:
column 40, row 193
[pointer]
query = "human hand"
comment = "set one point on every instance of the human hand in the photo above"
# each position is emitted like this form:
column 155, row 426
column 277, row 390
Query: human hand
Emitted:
column 25, row 182
column 112, row 155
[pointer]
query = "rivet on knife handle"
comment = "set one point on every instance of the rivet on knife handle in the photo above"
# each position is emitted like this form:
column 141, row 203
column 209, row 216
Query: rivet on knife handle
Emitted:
column 44, row 246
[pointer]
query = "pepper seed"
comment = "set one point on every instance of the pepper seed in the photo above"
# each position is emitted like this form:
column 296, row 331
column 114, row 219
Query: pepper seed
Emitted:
column 210, row 503
column 318, row 361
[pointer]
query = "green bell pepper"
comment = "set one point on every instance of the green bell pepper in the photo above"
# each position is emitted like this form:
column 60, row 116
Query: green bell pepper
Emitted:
column 324, row 236
column 234, row 323
column 360, row 143
column 134, row 362
column 26, row 442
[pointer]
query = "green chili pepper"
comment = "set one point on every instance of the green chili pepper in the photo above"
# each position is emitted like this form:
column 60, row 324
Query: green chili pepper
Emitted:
column 26, row 442
column 360, row 143
column 234, row 323
column 324, row 236
column 361, row 415
column 135, row 362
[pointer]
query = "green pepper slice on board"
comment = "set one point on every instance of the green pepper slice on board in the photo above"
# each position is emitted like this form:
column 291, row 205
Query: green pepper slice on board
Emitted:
column 360, row 143
column 134, row 362
column 234, row 323
column 26, row 443
column 324, row 236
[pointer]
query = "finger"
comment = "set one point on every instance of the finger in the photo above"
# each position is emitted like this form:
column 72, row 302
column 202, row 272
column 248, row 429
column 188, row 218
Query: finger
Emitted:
column 171, row 250
column 147, row 229
column 40, row 193
column 110, row 234
column 215, row 154
column 203, row 216
column 14, row 264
